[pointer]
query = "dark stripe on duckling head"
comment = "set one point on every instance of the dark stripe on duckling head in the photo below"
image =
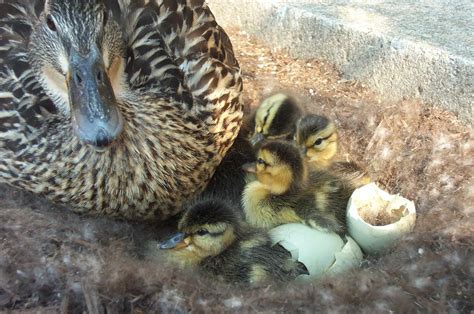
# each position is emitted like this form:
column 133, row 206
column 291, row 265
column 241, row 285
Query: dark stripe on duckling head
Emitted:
column 265, row 117
column 216, row 234
column 287, row 154
column 209, row 212
column 284, row 120
column 311, row 124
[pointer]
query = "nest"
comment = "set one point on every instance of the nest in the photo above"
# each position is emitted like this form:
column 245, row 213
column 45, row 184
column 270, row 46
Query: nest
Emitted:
column 54, row 260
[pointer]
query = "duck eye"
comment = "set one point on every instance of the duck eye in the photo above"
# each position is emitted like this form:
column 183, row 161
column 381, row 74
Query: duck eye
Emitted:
column 318, row 141
column 261, row 161
column 50, row 23
column 202, row 232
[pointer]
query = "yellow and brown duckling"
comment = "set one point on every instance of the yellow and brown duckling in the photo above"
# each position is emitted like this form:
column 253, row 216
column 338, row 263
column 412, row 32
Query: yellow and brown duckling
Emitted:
column 285, row 192
column 318, row 139
column 276, row 118
column 212, row 238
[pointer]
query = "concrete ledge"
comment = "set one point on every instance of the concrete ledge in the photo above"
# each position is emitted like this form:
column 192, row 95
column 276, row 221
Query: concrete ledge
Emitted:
column 398, row 48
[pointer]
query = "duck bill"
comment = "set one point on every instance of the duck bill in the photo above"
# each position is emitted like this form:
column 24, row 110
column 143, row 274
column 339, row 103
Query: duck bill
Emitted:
column 250, row 167
column 176, row 242
column 96, row 118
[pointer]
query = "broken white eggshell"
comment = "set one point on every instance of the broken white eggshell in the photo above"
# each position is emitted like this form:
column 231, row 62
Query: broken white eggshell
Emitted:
column 377, row 219
column 320, row 251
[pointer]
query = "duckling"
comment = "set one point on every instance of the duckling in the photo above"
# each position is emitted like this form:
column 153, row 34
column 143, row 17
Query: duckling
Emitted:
column 286, row 192
column 318, row 139
column 275, row 118
column 212, row 238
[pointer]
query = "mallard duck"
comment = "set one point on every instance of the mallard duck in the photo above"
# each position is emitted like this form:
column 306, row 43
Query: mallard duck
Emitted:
column 317, row 137
column 212, row 239
column 123, row 108
column 285, row 192
column 275, row 118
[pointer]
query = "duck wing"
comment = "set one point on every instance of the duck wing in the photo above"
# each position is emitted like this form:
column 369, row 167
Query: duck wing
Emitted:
column 23, row 104
column 176, row 49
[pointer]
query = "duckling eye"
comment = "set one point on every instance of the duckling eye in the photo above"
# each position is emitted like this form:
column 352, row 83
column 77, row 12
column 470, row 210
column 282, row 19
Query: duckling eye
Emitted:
column 50, row 23
column 202, row 232
column 318, row 141
column 260, row 161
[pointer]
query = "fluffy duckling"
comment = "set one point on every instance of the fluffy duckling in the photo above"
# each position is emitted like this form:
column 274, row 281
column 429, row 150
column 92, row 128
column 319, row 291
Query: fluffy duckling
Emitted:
column 285, row 192
column 212, row 238
column 317, row 137
column 275, row 118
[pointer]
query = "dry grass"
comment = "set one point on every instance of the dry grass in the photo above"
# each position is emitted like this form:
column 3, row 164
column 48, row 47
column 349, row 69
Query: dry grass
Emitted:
column 58, row 261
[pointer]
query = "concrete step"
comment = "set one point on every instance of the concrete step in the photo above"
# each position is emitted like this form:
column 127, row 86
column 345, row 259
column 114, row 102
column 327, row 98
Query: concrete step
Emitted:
column 401, row 49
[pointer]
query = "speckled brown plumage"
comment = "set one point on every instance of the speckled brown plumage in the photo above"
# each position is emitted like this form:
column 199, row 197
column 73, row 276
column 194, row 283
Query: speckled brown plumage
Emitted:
column 179, row 96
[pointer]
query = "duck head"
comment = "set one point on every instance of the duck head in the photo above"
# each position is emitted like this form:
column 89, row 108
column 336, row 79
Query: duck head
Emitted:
column 316, row 136
column 206, row 229
column 275, row 119
column 75, row 50
column 279, row 166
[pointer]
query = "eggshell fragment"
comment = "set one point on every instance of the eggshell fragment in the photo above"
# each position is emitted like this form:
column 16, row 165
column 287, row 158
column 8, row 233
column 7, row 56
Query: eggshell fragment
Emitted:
column 350, row 256
column 320, row 251
column 377, row 219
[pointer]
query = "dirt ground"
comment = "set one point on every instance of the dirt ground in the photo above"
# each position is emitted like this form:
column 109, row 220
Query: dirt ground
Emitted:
column 56, row 261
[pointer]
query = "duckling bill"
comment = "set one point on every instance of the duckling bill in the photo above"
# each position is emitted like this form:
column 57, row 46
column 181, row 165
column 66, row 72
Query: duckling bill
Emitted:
column 212, row 239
